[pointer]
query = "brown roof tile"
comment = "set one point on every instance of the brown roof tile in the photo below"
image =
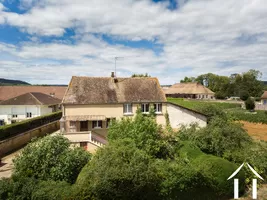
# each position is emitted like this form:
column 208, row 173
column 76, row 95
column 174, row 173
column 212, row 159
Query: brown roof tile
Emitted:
column 264, row 96
column 99, row 90
column 188, row 88
column 33, row 98
column 7, row 92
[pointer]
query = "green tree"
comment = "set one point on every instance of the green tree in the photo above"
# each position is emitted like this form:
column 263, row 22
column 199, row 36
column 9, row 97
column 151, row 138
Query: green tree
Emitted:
column 188, row 80
column 119, row 171
column 250, row 104
column 141, row 75
column 244, row 95
column 220, row 137
column 50, row 158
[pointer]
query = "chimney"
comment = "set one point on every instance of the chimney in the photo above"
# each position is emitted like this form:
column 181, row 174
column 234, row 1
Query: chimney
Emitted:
column 112, row 74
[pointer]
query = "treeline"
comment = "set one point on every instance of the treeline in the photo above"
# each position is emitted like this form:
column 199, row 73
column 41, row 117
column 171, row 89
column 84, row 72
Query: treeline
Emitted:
column 7, row 82
column 239, row 85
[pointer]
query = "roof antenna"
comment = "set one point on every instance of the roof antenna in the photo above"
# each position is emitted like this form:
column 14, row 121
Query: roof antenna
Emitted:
column 116, row 58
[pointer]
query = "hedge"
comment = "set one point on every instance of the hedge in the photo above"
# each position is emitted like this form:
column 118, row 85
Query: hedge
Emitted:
column 26, row 125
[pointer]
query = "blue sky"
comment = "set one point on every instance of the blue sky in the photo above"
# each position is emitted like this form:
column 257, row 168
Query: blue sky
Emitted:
column 46, row 41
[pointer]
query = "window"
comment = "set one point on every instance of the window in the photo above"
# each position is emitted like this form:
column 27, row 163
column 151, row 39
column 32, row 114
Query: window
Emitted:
column 28, row 114
column 145, row 107
column 158, row 107
column 127, row 108
column 2, row 122
column 109, row 122
column 72, row 126
column 97, row 124
column 265, row 102
column 206, row 96
column 14, row 116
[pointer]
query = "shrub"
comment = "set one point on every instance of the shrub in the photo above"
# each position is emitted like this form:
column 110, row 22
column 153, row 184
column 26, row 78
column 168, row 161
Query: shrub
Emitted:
column 250, row 104
column 20, row 188
column 50, row 158
column 218, row 138
column 119, row 171
column 214, row 170
column 143, row 131
column 244, row 95
column 26, row 125
column 51, row 190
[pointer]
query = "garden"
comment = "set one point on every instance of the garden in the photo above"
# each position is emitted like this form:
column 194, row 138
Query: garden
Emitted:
column 142, row 161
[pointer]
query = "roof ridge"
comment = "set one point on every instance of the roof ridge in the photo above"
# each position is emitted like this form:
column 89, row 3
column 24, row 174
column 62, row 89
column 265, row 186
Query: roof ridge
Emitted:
column 36, row 98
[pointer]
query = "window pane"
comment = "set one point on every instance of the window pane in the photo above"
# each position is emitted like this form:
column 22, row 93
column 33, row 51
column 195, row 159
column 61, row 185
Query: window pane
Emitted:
column 159, row 107
column 94, row 124
column 125, row 108
column 130, row 109
column 143, row 108
column 147, row 107
column 100, row 124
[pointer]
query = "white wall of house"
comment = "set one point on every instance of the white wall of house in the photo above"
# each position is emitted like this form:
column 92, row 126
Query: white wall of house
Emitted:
column 180, row 116
column 19, row 112
column 45, row 110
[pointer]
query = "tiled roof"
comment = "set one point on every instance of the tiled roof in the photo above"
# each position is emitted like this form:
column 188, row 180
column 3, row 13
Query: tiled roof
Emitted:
column 101, row 90
column 264, row 96
column 188, row 88
column 33, row 98
column 7, row 92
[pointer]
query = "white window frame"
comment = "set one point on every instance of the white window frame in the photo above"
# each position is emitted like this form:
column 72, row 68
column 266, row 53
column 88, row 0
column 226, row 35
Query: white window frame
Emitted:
column 72, row 126
column 97, row 123
column 157, row 105
column 129, row 109
column 28, row 114
column 145, row 106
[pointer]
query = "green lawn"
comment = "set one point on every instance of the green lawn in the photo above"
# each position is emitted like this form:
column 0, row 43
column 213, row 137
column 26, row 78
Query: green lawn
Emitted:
column 259, row 116
column 195, row 104
column 233, row 110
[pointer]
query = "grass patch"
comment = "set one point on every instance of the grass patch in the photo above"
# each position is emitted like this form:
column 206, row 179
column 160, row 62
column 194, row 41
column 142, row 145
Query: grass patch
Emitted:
column 197, row 104
column 239, row 114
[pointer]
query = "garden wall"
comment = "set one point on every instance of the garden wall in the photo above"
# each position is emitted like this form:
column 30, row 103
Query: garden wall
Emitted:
column 18, row 141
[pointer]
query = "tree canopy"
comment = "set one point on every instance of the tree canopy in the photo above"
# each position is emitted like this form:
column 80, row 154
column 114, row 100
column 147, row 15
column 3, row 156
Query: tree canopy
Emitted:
column 50, row 158
column 242, row 85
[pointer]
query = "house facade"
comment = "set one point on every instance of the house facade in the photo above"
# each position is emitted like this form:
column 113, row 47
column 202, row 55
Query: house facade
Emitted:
column 189, row 90
column 264, row 98
column 91, row 103
column 27, row 106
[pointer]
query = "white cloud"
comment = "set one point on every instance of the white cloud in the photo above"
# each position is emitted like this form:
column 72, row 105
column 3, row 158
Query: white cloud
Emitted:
column 201, row 36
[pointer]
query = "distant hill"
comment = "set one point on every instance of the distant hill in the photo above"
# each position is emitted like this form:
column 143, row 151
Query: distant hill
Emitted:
column 8, row 82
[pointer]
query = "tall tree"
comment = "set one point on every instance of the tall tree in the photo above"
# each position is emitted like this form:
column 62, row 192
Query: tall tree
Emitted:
column 188, row 80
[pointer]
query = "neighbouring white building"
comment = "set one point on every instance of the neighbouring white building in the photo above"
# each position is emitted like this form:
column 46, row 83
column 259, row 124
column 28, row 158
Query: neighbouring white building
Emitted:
column 27, row 106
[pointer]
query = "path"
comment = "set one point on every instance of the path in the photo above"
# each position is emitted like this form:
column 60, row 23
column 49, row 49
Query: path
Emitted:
column 6, row 165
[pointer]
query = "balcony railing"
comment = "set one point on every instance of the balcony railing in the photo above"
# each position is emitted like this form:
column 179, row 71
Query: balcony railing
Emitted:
column 86, row 136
